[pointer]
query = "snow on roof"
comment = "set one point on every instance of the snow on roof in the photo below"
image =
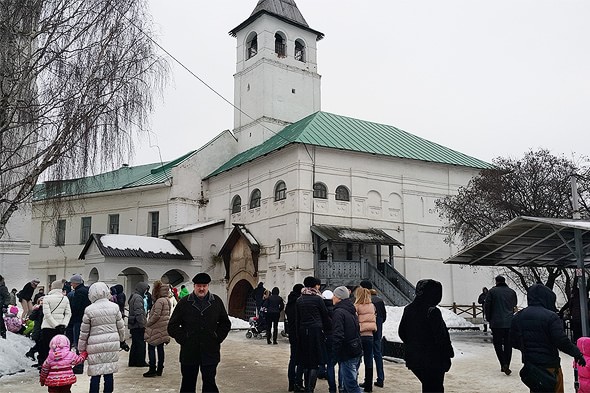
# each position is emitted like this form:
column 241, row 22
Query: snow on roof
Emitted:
column 143, row 243
column 363, row 237
column 198, row 225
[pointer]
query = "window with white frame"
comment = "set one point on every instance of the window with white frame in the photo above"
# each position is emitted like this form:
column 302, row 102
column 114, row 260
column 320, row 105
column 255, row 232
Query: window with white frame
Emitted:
column 85, row 229
column 113, row 224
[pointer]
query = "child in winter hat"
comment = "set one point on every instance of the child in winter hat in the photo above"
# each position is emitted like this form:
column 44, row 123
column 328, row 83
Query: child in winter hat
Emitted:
column 13, row 323
column 584, row 372
column 57, row 368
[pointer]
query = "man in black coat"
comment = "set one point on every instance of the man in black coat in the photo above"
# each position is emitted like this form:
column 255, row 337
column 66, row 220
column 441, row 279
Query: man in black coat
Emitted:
column 78, row 298
column 294, row 373
column 199, row 324
column 258, row 295
column 537, row 331
column 499, row 306
column 346, row 342
column 312, row 320
column 378, row 334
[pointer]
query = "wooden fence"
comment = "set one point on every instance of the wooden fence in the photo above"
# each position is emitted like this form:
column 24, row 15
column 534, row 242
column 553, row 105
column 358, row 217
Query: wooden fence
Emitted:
column 466, row 310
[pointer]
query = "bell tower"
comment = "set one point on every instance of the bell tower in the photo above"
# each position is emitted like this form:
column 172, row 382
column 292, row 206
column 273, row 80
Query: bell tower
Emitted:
column 276, row 81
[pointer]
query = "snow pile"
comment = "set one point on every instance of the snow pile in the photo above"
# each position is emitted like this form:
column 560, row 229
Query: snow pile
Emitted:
column 394, row 316
column 12, row 353
column 237, row 323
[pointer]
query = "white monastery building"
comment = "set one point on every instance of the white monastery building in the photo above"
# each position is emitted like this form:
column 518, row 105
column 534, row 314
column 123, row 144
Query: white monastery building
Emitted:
column 292, row 191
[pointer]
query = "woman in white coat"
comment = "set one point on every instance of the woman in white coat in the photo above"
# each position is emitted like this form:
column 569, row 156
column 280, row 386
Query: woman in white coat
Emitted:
column 101, row 334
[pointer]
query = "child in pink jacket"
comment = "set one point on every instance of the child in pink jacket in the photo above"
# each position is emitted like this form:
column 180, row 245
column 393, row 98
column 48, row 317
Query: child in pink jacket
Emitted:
column 56, row 372
column 584, row 372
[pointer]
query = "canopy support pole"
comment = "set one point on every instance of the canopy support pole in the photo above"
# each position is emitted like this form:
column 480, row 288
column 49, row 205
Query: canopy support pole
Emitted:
column 580, row 271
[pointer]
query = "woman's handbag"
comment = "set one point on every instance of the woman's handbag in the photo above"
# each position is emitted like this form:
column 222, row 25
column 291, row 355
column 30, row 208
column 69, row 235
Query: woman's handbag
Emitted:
column 538, row 379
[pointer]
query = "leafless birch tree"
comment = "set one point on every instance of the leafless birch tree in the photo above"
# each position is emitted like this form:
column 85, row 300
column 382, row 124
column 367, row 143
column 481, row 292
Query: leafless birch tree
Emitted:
column 78, row 80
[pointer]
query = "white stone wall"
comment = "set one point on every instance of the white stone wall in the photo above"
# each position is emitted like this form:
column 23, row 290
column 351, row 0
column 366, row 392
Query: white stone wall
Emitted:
column 14, row 249
column 392, row 194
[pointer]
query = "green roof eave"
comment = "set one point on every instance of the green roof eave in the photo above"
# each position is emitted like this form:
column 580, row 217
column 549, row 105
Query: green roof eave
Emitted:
column 345, row 133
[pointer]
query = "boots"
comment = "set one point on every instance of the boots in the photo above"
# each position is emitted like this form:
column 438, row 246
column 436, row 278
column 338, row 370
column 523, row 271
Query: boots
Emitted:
column 159, row 371
column 311, row 378
column 368, row 384
column 151, row 373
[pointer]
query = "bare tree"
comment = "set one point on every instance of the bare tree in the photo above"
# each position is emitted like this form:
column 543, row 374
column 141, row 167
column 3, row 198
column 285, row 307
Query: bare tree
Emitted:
column 537, row 185
column 78, row 80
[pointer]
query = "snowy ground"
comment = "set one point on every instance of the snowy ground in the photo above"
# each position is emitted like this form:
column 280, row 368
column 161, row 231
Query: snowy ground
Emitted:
column 12, row 352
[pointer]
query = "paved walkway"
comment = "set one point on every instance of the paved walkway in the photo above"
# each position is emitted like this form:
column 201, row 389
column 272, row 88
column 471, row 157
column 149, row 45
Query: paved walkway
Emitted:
column 250, row 365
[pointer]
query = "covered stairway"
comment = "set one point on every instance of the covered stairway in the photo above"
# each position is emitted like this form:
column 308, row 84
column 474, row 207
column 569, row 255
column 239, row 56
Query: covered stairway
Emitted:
column 345, row 256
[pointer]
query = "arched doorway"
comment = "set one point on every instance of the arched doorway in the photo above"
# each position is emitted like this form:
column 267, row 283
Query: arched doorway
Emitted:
column 174, row 277
column 130, row 277
column 238, row 299
column 92, row 276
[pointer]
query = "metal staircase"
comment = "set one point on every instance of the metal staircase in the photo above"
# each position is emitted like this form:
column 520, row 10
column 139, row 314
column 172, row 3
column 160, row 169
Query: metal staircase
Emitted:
column 396, row 290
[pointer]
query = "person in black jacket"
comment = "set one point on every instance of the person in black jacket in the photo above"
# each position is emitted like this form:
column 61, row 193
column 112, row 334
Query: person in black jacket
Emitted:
column 345, row 333
column 294, row 373
column 258, row 295
column 499, row 306
column 121, row 298
column 40, row 293
column 326, row 370
column 78, row 302
column 378, row 334
column 482, row 300
column 25, row 296
column 4, row 301
column 274, row 306
column 537, row 331
column 312, row 320
column 37, row 317
column 427, row 345
column 199, row 324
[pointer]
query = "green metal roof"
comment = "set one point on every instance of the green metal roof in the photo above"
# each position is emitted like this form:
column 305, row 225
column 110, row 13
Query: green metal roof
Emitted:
column 122, row 178
column 346, row 133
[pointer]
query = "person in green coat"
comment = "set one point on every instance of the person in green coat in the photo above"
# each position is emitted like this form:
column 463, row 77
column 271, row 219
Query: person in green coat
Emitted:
column 183, row 292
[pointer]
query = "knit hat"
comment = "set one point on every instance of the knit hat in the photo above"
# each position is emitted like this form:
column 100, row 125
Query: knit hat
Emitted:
column 327, row 294
column 366, row 284
column 57, row 284
column 76, row 279
column 341, row 293
column 202, row 278
column 59, row 341
column 311, row 281
column 35, row 281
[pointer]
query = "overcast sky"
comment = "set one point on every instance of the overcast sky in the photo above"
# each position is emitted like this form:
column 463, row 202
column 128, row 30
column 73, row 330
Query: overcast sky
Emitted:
column 487, row 78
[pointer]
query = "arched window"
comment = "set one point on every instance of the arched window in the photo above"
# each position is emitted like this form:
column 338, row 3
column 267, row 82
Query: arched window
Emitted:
column 300, row 51
column 236, row 205
column 252, row 45
column 342, row 194
column 255, row 199
column 280, row 191
column 280, row 46
column 320, row 191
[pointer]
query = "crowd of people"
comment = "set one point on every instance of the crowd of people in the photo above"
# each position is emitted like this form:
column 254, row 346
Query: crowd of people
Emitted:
column 73, row 324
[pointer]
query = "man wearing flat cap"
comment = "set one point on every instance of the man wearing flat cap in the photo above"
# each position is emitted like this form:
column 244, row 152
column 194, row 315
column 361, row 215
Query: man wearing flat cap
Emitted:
column 199, row 324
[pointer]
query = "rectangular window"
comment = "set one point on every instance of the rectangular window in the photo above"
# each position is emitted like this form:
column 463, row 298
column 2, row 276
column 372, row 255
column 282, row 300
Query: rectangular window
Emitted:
column 85, row 229
column 50, row 279
column 45, row 236
column 349, row 251
column 113, row 224
column 60, row 233
column 154, row 224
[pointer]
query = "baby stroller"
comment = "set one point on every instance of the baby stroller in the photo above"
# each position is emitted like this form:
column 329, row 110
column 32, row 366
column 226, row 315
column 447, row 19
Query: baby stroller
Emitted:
column 257, row 327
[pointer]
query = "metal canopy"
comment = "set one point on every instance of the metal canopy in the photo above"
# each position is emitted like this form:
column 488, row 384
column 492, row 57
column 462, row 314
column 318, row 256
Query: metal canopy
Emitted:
column 529, row 242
